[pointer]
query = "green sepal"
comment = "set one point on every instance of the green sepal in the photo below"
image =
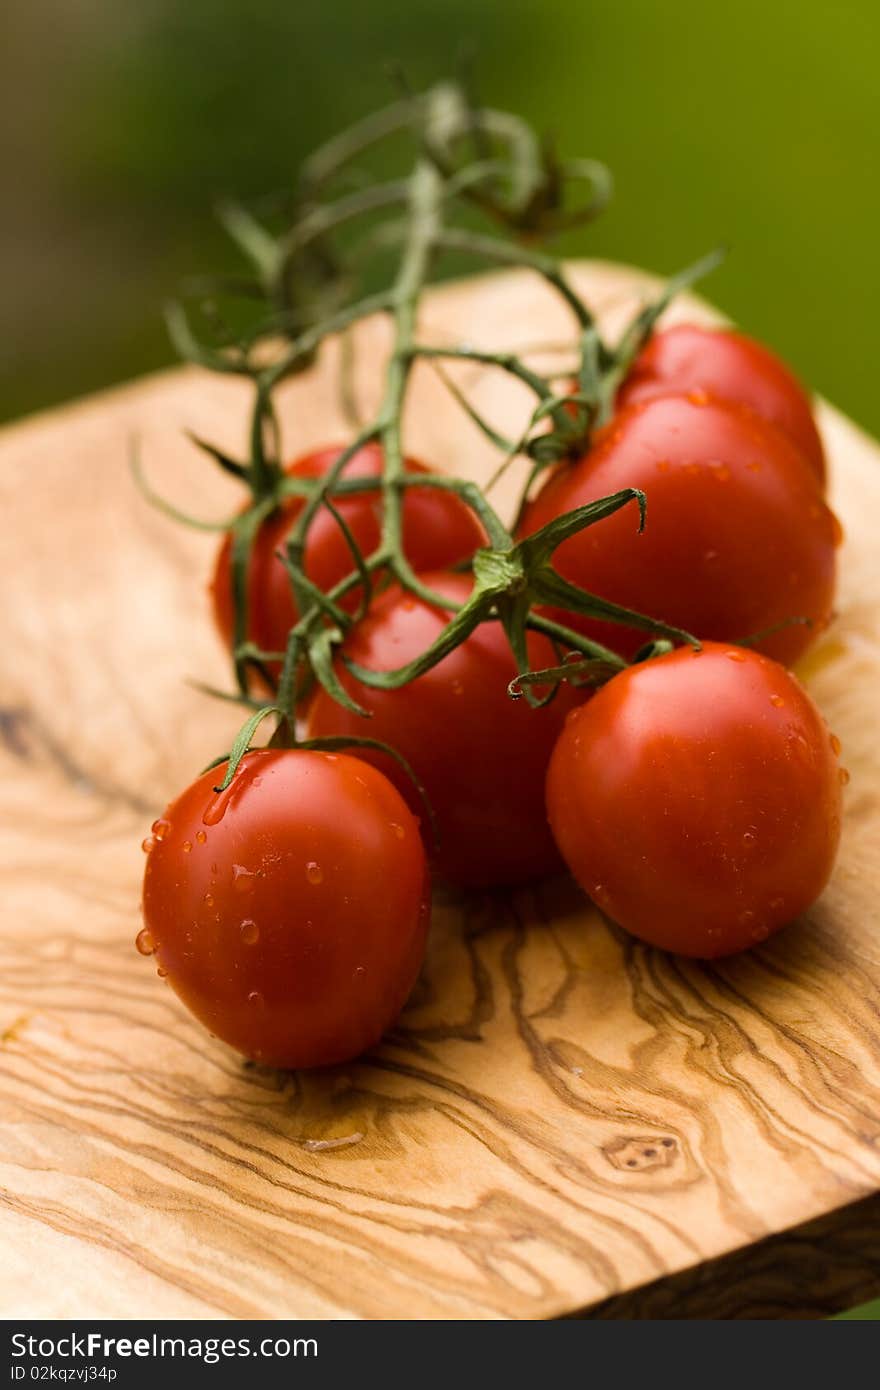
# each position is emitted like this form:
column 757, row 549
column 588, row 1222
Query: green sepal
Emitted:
column 456, row 631
column 243, row 742
column 535, row 550
column 581, row 671
column 229, row 465
column 548, row 586
column 159, row 502
column 321, row 649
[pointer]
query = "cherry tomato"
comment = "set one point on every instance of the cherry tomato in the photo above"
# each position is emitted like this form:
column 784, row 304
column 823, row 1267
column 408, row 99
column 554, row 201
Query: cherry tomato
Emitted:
column 731, row 367
column 738, row 536
column 439, row 531
column 289, row 913
column 480, row 756
column 696, row 798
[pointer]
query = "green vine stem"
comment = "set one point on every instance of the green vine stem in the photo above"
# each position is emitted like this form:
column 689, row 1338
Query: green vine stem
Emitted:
column 467, row 157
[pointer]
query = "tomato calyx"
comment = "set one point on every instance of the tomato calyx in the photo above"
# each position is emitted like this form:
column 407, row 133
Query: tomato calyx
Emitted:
column 511, row 583
column 285, row 736
column 512, row 580
column 589, row 401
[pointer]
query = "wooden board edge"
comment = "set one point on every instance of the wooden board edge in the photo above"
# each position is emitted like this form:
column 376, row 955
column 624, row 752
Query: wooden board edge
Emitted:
column 823, row 1267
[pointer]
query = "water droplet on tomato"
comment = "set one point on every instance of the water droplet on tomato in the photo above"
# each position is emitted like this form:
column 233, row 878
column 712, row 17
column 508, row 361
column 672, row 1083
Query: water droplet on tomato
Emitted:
column 250, row 932
column 242, row 879
column 209, row 900
column 219, row 804
column 735, row 656
column 145, row 941
column 777, row 904
column 457, row 688
column 148, row 844
column 709, row 556
column 255, row 998
column 187, row 846
column 161, row 972
column 314, row 873
column 201, row 836
column 257, row 782
column 398, row 830
column 797, row 746
column 843, row 774
column 359, row 972
column 746, row 918
column 160, row 828
column 835, row 745
column 777, row 701
column 749, row 838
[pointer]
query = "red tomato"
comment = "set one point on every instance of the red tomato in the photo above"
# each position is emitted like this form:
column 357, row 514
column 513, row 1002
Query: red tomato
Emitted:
column 481, row 756
column 696, row 798
column 731, row 367
column 289, row 913
column 439, row 531
column 738, row 536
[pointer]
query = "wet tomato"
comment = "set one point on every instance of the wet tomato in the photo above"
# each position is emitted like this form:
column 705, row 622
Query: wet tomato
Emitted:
column 289, row 913
column 439, row 530
column 696, row 798
column 738, row 536
column 731, row 367
column 480, row 756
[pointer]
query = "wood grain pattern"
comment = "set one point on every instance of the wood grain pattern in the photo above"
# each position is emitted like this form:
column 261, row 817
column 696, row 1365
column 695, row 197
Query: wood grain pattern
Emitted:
column 564, row 1123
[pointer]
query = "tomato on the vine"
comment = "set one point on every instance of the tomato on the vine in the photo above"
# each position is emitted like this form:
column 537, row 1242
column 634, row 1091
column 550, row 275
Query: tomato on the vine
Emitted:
column 289, row 912
column 439, row 530
column 480, row 756
column 696, row 798
column 738, row 537
column 731, row 367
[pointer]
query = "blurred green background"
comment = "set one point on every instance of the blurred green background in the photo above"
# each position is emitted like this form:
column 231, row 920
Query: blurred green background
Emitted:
column 753, row 123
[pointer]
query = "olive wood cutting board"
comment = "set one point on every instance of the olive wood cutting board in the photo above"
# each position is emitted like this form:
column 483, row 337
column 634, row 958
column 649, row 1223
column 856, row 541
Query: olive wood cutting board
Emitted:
column 563, row 1123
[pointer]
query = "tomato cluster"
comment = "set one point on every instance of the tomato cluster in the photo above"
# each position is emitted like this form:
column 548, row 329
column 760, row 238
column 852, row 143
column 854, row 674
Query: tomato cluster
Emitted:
column 695, row 796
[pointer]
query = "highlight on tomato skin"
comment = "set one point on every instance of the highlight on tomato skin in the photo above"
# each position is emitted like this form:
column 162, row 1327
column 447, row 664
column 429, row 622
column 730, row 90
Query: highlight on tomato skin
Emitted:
column 738, row 536
column 480, row 756
column 732, row 367
column 290, row 912
column 697, row 799
column 439, row 531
